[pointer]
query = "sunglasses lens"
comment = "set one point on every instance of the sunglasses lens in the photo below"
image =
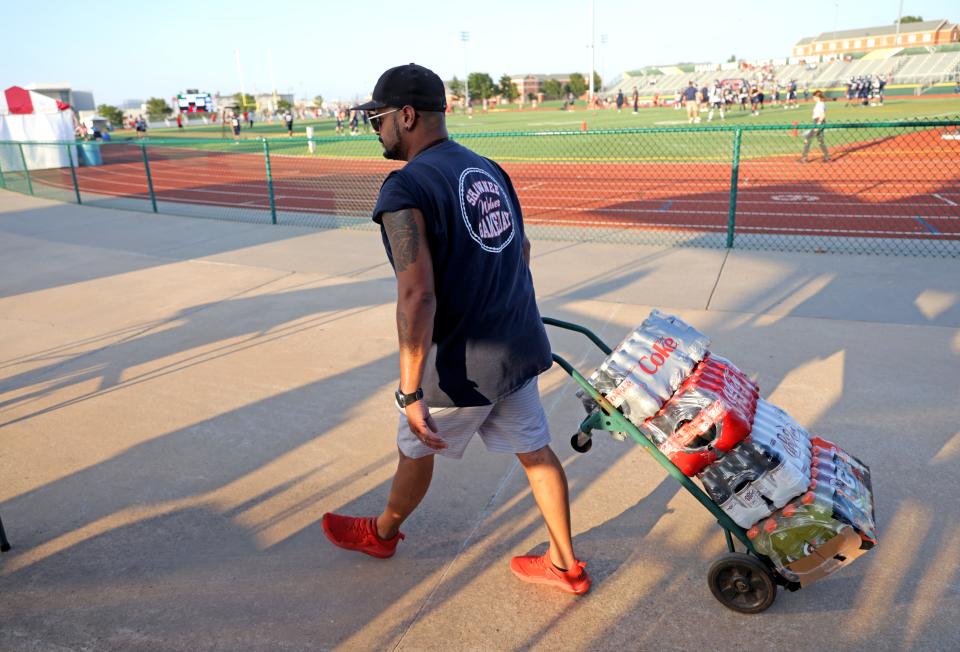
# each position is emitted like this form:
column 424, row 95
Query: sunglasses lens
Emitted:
column 375, row 124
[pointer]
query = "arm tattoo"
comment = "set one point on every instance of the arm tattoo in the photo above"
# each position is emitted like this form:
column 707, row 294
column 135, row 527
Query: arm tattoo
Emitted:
column 404, row 237
column 403, row 329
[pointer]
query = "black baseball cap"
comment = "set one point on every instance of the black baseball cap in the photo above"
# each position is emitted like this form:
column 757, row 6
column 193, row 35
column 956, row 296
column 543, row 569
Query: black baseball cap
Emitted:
column 409, row 85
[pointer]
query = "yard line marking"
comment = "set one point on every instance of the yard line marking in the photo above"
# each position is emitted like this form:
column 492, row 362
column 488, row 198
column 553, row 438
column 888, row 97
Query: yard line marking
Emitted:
column 927, row 224
column 536, row 185
column 944, row 199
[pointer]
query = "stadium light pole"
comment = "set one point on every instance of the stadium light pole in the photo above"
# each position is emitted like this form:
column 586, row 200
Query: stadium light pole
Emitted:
column 464, row 37
column 243, row 92
column 273, row 80
column 899, row 18
column 603, row 55
column 593, row 49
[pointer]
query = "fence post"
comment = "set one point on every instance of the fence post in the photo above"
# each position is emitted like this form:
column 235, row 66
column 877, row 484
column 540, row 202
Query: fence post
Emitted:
column 73, row 173
column 734, row 179
column 146, row 167
column 26, row 171
column 273, row 205
column 3, row 179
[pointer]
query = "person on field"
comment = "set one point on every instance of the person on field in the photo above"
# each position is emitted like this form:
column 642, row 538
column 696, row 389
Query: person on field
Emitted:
column 620, row 100
column 716, row 101
column 692, row 103
column 819, row 118
column 235, row 125
column 756, row 100
column 471, row 340
column 636, row 100
column 288, row 119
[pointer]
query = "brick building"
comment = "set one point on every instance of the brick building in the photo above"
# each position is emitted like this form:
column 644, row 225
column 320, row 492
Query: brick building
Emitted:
column 926, row 33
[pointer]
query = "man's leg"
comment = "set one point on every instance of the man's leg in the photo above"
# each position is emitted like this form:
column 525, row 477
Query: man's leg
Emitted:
column 823, row 145
column 549, row 484
column 410, row 484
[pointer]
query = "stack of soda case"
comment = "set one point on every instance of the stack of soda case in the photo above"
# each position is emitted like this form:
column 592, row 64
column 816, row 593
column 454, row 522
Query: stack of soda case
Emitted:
column 754, row 461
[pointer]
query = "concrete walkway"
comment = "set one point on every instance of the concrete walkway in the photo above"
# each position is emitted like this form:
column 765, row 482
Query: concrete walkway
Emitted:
column 182, row 399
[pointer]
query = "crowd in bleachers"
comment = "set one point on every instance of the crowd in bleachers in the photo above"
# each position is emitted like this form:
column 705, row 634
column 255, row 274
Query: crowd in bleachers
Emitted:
column 922, row 69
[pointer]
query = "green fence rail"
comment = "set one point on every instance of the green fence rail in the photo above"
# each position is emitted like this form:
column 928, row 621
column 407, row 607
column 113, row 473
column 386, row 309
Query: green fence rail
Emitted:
column 885, row 188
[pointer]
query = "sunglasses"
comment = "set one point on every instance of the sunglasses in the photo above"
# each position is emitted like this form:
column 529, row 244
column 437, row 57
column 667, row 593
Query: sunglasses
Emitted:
column 375, row 119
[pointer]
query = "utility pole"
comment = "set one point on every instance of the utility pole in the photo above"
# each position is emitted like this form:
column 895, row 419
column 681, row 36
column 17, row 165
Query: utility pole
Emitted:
column 464, row 37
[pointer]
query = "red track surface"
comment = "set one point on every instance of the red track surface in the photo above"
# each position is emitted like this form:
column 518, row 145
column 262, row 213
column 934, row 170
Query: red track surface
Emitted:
column 905, row 186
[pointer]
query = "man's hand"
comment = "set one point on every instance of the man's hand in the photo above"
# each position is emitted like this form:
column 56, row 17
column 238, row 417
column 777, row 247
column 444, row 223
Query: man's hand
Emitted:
column 423, row 426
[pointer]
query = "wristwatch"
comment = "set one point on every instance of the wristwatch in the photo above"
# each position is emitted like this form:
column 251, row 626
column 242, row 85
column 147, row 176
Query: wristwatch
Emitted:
column 403, row 400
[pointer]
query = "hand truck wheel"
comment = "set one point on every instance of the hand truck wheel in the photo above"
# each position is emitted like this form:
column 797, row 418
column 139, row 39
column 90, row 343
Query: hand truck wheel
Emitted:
column 581, row 446
column 742, row 583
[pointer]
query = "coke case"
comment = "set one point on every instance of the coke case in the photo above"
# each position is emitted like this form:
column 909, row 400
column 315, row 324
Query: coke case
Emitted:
column 644, row 370
column 750, row 464
column 708, row 415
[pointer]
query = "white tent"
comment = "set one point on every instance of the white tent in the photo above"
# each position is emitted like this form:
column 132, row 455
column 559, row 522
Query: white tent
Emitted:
column 28, row 116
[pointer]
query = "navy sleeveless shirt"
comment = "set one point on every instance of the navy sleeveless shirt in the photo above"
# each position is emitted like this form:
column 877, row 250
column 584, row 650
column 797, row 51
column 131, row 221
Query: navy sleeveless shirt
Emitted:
column 487, row 333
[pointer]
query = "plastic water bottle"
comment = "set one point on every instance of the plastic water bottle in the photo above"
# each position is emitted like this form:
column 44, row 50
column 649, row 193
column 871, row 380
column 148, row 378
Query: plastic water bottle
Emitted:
column 780, row 482
column 776, row 431
column 839, row 508
column 738, row 498
column 692, row 342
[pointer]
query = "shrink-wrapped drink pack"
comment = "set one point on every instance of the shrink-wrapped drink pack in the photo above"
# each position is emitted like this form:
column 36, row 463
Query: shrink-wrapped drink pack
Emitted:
column 645, row 369
column 806, row 504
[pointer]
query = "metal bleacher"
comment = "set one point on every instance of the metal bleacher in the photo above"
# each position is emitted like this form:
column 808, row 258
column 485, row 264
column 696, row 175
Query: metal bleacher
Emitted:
column 927, row 68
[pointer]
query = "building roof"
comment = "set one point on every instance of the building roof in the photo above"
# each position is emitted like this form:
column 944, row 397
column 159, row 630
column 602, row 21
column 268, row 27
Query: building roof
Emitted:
column 542, row 77
column 882, row 30
column 806, row 39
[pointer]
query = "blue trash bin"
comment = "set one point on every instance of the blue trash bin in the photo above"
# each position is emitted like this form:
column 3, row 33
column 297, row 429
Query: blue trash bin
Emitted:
column 90, row 154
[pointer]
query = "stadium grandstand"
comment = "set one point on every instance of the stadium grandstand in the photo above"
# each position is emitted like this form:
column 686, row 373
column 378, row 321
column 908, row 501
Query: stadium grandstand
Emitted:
column 930, row 68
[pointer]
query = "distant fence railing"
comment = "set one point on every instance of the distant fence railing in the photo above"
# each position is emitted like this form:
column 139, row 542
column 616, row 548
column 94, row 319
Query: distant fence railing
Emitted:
column 878, row 188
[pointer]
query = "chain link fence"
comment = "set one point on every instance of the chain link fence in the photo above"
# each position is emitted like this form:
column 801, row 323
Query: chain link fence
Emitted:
column 877, row 188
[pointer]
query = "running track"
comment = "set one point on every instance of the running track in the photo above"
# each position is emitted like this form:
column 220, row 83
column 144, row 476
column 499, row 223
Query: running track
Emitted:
column 907, row 186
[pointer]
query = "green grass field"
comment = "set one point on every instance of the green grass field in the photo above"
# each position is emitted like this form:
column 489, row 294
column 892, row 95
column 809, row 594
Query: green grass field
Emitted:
column 682, row 143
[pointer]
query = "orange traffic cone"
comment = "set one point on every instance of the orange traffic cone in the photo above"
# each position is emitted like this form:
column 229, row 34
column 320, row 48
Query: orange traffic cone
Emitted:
column 583, row 126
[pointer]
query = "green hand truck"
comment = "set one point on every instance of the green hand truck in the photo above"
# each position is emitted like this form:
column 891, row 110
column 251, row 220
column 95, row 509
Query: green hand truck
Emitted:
column 745, row 582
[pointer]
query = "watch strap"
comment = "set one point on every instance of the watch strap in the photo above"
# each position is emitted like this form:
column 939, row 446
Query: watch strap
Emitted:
column 403, row 400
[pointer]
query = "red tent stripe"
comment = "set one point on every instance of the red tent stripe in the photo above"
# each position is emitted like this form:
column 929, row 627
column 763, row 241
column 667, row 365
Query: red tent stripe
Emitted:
column 18, row 100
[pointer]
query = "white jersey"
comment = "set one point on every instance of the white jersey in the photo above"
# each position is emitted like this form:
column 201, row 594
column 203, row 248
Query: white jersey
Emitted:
column 819, row 111
column 716, row 95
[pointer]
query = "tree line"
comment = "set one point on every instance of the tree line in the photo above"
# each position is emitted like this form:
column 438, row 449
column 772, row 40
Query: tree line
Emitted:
column 480, row 85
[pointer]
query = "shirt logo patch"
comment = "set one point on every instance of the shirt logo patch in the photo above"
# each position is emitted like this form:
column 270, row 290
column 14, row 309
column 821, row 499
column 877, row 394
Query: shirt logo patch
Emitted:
column 486, row 210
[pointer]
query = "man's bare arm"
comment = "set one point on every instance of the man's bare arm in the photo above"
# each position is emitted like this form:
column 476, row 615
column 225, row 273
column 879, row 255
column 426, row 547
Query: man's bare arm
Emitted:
column 416, row 301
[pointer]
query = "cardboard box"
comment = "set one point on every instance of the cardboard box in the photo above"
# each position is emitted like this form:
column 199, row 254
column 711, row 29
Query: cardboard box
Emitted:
column 829, row 557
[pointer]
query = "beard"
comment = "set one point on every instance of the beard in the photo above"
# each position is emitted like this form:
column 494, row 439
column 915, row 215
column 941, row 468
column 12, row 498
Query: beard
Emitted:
column 394, row 153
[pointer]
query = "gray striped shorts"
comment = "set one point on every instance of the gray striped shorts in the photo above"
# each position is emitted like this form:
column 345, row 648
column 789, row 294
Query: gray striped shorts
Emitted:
column 514, row 424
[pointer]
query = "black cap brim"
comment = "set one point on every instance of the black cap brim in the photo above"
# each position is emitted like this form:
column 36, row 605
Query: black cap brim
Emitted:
column 372, row 105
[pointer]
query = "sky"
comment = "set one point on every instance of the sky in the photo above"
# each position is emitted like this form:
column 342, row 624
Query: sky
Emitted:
column 124, row 50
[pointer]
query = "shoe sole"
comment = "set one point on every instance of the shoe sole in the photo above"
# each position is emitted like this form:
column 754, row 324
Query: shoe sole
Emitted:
column 378, row 555
column 542, row 580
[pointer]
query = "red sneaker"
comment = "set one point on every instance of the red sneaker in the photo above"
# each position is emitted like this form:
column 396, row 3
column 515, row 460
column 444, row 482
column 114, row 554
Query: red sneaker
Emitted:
column 540, row 570
column 359, row 534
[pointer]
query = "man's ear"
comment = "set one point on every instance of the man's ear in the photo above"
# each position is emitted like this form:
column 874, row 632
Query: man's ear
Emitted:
column 409, row 119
